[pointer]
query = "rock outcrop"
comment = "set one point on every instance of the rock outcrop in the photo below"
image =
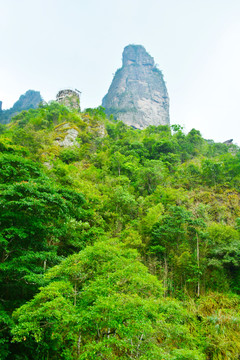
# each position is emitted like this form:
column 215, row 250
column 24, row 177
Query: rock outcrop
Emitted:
column 69, row 98
column 138, row 95
column 30, row 100
column 67, row 135
column 228, row 142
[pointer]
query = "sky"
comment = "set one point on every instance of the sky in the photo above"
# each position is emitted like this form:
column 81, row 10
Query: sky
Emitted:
column 49, row 45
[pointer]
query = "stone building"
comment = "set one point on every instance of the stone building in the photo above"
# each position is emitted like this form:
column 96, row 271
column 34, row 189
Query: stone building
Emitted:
column 69, row 98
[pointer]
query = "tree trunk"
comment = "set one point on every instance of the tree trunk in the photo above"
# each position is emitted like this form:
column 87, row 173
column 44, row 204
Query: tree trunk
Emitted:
column 165, row 276
column 79, row 344
column 75, row 294
column 198, row 267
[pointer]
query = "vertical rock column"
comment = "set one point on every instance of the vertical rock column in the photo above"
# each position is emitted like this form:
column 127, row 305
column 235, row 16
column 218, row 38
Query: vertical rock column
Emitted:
column 138, row 94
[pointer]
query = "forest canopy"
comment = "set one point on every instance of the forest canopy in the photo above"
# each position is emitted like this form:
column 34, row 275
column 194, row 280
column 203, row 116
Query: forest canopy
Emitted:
column 122, row 244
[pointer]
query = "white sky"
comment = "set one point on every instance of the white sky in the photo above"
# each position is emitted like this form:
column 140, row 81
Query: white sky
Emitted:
column 48, row 45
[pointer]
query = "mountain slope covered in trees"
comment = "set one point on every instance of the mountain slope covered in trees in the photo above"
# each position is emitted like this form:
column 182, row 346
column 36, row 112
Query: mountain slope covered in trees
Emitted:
column 30, row 100
column 124, row 245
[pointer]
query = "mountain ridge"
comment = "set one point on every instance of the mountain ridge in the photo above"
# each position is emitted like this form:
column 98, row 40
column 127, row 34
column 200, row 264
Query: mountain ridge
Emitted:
column 30, row 100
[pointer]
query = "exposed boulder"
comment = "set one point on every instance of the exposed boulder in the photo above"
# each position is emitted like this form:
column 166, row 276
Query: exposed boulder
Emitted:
column 138, row 95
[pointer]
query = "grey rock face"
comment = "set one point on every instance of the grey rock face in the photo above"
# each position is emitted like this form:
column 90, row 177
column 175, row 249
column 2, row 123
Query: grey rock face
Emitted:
column 228, row 142
column 30, row 100
column 138, row 94
column 68, row 136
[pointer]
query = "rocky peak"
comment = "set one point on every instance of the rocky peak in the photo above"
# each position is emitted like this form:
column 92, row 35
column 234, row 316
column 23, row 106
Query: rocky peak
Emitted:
column 138, row 94
column 30, row 100
column 136, row 54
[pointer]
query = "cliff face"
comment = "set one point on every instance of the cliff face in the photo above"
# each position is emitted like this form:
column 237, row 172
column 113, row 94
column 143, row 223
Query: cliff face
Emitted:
column 30, row 100
column 138, row 94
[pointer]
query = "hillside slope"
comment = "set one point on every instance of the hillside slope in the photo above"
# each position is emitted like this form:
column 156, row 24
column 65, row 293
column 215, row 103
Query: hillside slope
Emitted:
column 116, row 243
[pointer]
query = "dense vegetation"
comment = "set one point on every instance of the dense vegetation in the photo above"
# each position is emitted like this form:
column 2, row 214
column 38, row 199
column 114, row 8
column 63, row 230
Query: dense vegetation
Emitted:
column 125, row 245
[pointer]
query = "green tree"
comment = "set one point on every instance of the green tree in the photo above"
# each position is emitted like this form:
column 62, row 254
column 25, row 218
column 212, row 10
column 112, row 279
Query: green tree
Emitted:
column 103, row 303
column 150, row 175
column 223, row 259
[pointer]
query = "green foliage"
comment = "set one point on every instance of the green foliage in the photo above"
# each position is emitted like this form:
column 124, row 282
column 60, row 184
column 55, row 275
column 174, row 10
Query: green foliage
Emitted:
column 34, row 227
column 69, row 155
column 172, row 196
column 103, row 303
column 220, row 325
column 150, row 175
column 103, row 311
column 223, row 257
column 14, row 168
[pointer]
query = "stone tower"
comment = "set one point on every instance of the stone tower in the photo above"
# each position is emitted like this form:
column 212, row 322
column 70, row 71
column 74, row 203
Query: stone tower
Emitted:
column 69, row 98
column 138, row 95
